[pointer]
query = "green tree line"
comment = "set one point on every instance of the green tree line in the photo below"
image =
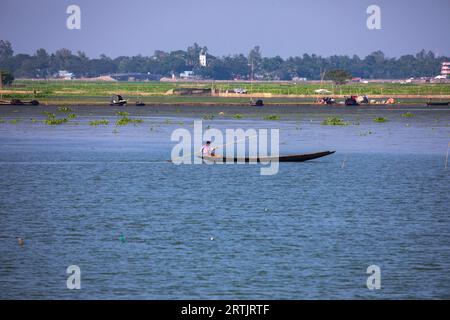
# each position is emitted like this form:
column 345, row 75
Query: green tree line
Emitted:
column 376, row 65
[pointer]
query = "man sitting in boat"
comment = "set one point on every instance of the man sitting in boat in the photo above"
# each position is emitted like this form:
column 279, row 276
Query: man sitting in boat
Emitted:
column 207, row 150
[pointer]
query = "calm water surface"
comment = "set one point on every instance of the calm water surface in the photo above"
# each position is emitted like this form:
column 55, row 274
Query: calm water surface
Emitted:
column 105, row 199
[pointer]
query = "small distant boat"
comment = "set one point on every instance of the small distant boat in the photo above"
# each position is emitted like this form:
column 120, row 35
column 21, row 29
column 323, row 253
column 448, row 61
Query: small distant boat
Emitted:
column 437, row 103
column 139, row 103
column 289, row 158
column 257, row 103
column 118, row 101
column 18, row 102
column 326, row 100
column 351, row 101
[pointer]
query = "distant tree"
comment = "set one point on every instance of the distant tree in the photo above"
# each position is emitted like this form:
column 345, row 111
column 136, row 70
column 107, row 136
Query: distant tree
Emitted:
column 42, row 63
column 338, row 76
column 374, row 66
column 6, row 50
column 6, row 55
column 6, row 77
column 255, row 59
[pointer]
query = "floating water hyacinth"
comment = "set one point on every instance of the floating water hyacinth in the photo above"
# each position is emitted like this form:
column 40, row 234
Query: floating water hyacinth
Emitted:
column 64, row 109
column 272, row 117
column 334, row 121
column 125, row 119
column 208, row 117
column 380, row 119
column 99, row 122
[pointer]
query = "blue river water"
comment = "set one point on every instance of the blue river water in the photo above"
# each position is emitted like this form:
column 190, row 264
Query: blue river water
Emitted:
column 104, row 198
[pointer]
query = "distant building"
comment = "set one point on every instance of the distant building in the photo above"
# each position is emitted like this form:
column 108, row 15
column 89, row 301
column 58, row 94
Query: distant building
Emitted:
column 135, row 76
column 202, row 58
column 66, row 75
column 445, row 69
column 187, row 75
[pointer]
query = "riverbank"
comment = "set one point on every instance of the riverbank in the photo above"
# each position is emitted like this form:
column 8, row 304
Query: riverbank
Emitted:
column 77, row 92
column 225, row 101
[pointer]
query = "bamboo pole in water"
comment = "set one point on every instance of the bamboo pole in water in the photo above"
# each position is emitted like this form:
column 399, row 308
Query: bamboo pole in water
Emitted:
column 343, row 162
column 1, row 85
column 446, row 157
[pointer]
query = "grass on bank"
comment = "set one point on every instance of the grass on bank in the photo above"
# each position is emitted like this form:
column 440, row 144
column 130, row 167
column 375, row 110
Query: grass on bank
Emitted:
column 47, row 89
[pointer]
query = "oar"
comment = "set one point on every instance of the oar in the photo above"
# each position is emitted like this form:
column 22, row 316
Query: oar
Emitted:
column 233, row 142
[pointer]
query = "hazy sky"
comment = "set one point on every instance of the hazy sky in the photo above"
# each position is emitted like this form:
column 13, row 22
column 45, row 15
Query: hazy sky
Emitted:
column 284, row 27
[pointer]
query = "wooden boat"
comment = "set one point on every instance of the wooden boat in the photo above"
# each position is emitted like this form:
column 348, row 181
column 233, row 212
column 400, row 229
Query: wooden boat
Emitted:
column 18, row 102
column 437, row 103
column 257, row 103
column 118, row 100
column 351, row 101
column 289, row 158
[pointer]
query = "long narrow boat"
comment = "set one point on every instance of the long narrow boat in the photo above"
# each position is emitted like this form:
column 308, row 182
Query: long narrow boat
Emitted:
column 18, row 102
column 289, row 158
column 438, row 103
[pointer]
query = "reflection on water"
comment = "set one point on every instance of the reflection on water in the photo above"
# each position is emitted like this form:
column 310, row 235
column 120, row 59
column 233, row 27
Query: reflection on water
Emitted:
column 140, row 227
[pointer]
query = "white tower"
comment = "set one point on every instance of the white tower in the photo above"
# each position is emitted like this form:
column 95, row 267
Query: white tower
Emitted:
column 445, row 69
column 202, row 58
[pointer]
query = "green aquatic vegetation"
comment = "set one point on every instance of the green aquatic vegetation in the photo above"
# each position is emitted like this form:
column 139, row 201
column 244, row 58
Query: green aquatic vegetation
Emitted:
column 49, row 114
column 2, row 121
column 238, row 116
column 272, row 117
column 122, row 113
column 72, row 116
column 33, row 120
column 380, row 119
column 64, row 109
column 99, row 122
column 208, row 117
column 408, row 115
column 125, row 120
column 14, row 121
column 334, row 121
column 54, row 121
